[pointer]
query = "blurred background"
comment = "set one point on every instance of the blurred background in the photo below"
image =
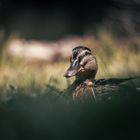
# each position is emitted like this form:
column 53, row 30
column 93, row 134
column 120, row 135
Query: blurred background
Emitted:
column 36, row 39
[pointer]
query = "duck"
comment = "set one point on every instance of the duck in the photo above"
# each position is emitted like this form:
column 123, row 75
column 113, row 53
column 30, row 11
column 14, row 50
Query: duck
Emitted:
column 84, row 66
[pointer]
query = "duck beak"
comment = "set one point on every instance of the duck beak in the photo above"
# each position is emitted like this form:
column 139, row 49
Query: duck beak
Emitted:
column 72, row 70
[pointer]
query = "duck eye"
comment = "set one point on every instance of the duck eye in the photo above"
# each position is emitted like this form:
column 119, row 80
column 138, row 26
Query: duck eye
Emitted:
column 75, row 63
column 86, row 53
column 79, row 59
column 74, row 55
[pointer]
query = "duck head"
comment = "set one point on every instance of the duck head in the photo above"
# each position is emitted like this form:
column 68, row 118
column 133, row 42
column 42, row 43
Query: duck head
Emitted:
column 83, row 64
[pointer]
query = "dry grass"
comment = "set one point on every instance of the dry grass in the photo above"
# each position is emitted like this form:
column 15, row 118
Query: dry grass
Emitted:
column 116, row 58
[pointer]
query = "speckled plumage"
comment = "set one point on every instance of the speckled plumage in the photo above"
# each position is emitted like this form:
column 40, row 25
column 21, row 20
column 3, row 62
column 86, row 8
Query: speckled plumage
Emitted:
column 83, row 65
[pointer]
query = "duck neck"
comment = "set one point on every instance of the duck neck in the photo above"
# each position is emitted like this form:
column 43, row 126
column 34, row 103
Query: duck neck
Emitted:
column 80, row 79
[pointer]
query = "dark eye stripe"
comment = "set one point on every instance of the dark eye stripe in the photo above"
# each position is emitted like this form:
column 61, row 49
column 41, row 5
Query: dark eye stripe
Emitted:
column 75, row 63
column 74, row 55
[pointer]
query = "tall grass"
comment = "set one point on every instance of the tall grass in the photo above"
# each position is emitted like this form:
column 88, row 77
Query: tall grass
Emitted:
column 116, row 58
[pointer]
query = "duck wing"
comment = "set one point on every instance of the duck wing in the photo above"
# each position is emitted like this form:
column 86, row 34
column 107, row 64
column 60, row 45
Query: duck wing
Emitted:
column 113, row 81
column 113, row 85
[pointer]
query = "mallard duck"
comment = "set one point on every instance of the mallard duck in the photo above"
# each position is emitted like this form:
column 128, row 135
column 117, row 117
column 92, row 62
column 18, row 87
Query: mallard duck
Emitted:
column 83, row 65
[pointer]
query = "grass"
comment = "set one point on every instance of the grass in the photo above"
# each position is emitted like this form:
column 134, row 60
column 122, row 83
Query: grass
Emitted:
column 115, row 59
column 31, row 107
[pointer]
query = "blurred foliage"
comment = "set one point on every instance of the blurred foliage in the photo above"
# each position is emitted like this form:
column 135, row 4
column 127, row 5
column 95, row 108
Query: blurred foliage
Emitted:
column 33, row 114
column 55, row 19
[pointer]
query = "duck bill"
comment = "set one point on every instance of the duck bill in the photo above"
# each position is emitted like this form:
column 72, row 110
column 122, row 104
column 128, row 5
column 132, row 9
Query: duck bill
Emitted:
column 71, row 71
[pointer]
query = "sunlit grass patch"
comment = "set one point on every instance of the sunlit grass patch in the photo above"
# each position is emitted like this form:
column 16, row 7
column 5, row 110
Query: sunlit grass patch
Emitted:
column 116, row 58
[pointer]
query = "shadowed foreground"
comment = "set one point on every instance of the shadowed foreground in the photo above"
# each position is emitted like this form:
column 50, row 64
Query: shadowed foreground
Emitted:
column 47, row 115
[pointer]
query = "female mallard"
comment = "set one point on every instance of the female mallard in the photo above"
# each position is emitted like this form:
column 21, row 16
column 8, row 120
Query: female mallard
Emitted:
column 83, row 65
